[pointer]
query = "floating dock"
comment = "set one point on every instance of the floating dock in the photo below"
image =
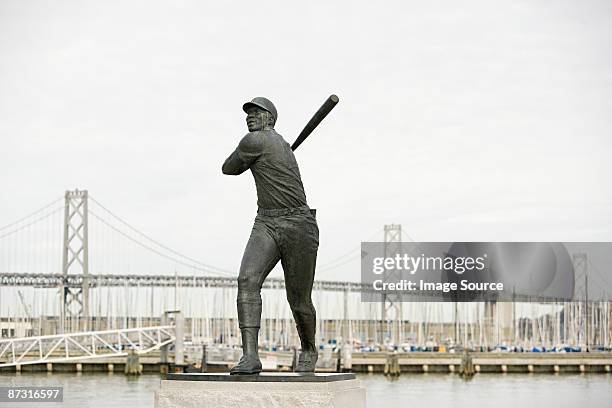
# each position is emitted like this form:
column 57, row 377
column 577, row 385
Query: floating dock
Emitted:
column 373, row 362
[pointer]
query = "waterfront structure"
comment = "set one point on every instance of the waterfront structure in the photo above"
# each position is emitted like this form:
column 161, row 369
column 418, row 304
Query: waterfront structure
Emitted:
column 132, row 279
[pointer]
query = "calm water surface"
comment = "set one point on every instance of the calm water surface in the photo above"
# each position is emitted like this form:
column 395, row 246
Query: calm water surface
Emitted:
column 424, row 390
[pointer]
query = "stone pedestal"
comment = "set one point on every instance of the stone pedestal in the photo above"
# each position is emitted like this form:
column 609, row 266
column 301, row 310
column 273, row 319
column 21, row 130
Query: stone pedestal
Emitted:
column 266, row 390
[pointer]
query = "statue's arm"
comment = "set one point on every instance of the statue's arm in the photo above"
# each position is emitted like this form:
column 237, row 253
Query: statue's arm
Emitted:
column 234, row 165
column 241, row 159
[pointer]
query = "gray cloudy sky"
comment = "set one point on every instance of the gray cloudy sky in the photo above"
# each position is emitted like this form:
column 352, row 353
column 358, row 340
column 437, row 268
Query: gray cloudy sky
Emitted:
column 474, row 120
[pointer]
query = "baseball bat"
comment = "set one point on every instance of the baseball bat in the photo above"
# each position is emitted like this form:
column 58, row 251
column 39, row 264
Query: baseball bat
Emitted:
column 315, row 120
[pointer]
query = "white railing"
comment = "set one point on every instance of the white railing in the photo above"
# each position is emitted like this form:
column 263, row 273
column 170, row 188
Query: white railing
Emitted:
column 84, row 345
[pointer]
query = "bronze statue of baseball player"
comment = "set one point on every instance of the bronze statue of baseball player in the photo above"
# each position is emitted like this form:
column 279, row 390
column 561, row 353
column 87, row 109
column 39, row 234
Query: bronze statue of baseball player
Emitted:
column 285, row 230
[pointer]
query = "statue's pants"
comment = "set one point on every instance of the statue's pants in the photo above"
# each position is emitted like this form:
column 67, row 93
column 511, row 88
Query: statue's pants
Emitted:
column 293, row 239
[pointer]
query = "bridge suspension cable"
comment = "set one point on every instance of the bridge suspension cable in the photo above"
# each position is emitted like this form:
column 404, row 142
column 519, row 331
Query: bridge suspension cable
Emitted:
column 155, row 246
column 347, row 257
column 353, row 254
column 32, row 214
column 195, row 265
column 26, row 244
column 30, row 223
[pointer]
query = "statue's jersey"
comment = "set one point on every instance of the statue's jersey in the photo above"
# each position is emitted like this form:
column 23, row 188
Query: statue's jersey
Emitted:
column 276, row 172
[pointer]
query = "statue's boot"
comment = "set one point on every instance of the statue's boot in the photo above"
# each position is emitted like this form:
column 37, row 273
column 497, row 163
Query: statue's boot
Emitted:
column 306, row 327
column 249, row 362
column 309, row 354
column 307, row 362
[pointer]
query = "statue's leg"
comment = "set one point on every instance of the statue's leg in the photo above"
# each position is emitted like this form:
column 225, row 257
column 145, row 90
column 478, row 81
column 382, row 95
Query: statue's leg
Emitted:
column 299, row 236
column 260, row 256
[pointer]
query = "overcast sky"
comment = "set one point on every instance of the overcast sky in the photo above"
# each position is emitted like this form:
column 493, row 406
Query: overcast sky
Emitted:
column 462, row 121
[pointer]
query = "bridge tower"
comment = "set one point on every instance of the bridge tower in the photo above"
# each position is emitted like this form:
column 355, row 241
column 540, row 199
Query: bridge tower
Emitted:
column 581, row 292
column 75, row 260
column 391, row 307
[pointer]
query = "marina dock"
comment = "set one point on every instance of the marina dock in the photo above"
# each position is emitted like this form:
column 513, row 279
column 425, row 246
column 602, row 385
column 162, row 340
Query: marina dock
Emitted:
column 373, row 362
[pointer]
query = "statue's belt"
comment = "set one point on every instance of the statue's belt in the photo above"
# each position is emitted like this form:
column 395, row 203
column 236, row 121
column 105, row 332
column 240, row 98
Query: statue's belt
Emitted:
column 279, row 212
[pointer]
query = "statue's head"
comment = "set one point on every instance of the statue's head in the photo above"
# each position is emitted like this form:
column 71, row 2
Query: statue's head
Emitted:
column 261, row 114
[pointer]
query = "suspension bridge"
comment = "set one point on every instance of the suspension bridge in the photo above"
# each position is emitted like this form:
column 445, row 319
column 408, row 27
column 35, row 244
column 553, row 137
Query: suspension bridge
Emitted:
column 73, row 273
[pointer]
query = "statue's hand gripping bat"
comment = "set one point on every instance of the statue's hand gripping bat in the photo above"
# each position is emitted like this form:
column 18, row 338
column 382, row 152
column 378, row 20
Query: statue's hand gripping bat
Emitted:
column 329, row 104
